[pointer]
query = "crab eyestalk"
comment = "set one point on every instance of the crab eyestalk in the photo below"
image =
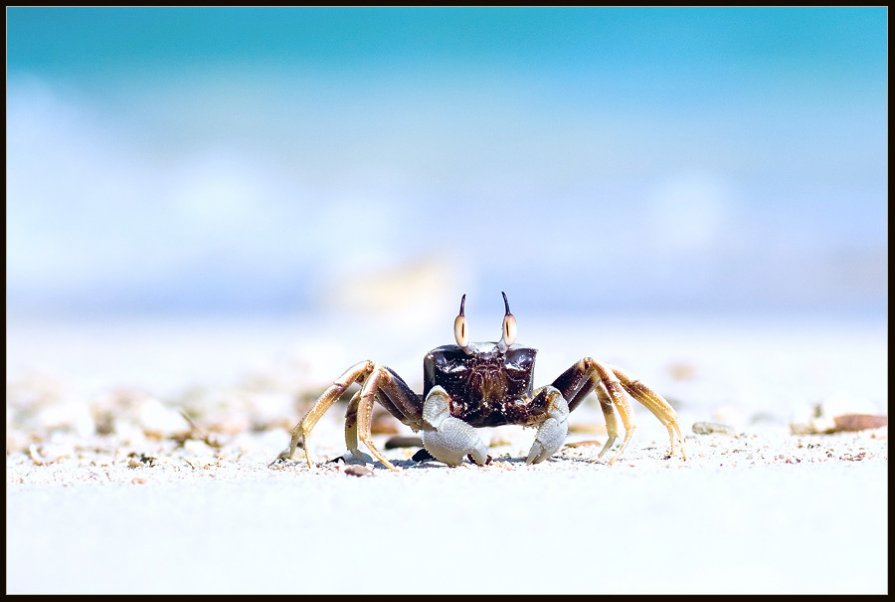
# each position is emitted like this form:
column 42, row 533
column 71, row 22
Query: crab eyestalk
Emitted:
column 508, row 335
column 461, row 332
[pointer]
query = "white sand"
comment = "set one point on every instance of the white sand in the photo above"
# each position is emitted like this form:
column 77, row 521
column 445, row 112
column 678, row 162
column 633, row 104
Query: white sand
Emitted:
column 763, row 511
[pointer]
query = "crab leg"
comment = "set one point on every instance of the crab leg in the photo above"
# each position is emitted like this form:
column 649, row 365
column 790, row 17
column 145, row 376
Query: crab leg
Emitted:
column 365, row 415
column 617, row 395
column 379, row 384
column 587, row 375
column 576, row 382
column 656, row 404
column 609, row 415
column 354, row 454
column 624, row 412
column 356, row 373
column 396, row 397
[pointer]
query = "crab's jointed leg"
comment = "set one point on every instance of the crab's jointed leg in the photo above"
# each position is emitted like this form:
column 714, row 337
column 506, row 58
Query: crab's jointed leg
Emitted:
column 587, row 375
column 356, row 373
column 365, row 416
column 576, row 382
column 656, row 404
column 609, row 415
column 379, row 383
column 354, row 454
column 615, row 392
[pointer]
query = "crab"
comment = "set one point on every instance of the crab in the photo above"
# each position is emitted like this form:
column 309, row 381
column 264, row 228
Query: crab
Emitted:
column 472, row 385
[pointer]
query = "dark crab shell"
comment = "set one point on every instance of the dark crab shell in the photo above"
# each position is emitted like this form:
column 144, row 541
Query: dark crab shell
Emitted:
column 487, row 385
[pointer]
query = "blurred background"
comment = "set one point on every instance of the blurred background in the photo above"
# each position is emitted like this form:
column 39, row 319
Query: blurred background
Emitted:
column 196, row 194
column 270, row 161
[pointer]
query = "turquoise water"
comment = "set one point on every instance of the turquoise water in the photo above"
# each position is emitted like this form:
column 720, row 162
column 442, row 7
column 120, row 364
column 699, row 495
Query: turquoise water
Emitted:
column 272, row 160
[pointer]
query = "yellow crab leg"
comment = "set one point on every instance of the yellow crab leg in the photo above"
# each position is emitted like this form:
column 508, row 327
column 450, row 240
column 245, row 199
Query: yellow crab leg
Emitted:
column 356, row 373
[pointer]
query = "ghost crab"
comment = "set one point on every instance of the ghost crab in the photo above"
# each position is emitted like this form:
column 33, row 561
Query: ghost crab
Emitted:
column 471, row 385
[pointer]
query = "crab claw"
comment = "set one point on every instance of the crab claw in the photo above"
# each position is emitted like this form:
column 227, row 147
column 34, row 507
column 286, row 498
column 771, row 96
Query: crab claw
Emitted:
column 449, row 439
column 552, row 432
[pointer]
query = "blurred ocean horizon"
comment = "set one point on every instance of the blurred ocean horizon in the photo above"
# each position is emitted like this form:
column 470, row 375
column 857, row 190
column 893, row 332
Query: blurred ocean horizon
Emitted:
column 279, row 161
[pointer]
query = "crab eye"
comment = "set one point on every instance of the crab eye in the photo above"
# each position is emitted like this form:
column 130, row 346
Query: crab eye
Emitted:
column 509, row 323
column 509, row 329
column 461, row 334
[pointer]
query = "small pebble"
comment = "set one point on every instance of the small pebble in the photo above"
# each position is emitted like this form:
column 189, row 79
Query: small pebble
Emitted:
column 859, row 422
column 136, row 460
column 398, row 442
column 588, row 443
column 358, row 471
column 824, row 425
column 35, row 456
column 49, row 453
column 710, row 428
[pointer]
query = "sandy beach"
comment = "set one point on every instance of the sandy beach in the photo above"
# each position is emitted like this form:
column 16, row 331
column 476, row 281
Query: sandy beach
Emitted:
column 110, row 489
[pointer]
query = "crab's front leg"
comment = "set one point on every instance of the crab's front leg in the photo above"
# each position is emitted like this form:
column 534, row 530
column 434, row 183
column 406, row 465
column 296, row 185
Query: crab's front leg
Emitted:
column 553, row 430
column 446, row 438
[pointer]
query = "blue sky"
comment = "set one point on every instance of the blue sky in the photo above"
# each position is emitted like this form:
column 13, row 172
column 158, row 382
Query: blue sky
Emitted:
column 721, row 158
